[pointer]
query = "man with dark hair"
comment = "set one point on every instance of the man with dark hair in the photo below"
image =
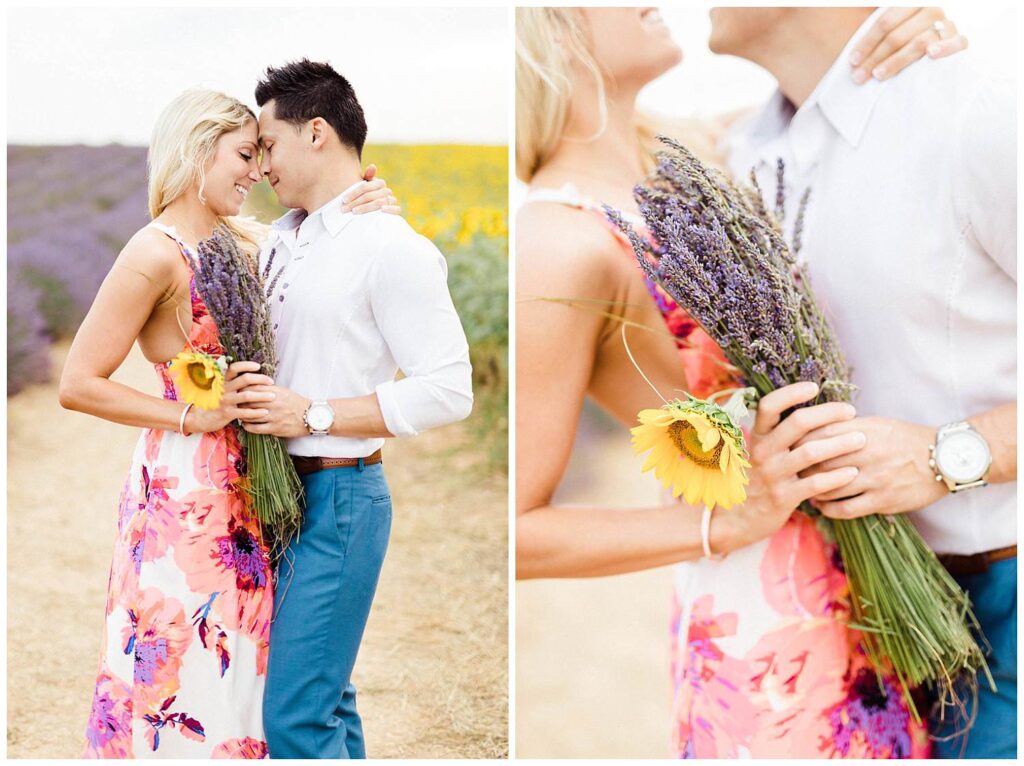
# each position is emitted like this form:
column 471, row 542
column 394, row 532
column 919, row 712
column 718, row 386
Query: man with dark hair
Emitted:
column 306, row 89
column 354, row 299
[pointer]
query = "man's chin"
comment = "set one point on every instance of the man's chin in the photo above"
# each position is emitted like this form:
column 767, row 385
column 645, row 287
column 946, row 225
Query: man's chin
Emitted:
column 716, row 44
column 283, row 200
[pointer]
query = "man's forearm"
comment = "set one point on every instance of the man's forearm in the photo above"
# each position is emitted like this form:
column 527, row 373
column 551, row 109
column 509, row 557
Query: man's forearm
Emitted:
column 999, row 427
column 359, row 417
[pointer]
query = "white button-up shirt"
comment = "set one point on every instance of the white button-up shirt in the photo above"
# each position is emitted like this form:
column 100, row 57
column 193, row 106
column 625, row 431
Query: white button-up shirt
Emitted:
column 355, row 299
column 910, row 241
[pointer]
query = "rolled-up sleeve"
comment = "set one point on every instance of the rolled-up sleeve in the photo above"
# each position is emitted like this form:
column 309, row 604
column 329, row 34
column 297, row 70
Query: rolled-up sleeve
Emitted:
column 416, row 316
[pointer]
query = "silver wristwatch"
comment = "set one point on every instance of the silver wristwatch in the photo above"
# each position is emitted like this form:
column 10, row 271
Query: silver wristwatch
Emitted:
column 319, row 417
column 960, row 457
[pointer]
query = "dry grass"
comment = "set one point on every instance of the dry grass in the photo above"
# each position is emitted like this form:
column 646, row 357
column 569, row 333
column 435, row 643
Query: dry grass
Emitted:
column 432, row 671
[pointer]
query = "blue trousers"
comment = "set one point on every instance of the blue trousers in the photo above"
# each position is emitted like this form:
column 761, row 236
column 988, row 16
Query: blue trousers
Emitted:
column 323, row 600
column 994, row 733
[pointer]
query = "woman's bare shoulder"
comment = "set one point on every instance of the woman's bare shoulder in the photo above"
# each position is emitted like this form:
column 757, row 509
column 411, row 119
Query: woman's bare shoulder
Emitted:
column 151, row 252
column 553, row 240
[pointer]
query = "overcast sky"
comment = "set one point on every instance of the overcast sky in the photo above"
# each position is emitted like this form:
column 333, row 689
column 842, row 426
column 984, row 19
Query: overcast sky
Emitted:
column 101, row 75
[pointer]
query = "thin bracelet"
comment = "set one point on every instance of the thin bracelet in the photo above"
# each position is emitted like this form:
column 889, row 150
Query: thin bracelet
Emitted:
column 181, row 422
column 705, row 535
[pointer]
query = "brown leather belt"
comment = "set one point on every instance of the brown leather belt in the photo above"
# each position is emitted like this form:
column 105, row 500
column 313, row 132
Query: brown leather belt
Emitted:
column 978, row 563
column 307, row 465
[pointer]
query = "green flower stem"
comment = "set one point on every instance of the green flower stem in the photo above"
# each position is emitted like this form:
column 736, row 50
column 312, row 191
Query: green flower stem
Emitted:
column 274, row 488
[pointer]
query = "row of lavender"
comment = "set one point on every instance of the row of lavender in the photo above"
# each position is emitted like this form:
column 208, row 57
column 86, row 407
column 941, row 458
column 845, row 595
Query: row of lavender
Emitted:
column 70, row 209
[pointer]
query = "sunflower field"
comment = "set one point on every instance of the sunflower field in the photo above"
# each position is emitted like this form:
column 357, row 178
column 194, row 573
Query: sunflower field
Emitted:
column 72, row 208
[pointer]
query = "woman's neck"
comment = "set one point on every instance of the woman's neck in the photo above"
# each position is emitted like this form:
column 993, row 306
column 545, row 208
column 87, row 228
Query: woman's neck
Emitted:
column 193, row 220
column 602, row 164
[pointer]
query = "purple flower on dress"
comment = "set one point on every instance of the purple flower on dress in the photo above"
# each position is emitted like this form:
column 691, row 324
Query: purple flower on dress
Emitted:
column 108, row 733
column 148, row 655
column 103, row 721
column 878, row 714
column 241, row 552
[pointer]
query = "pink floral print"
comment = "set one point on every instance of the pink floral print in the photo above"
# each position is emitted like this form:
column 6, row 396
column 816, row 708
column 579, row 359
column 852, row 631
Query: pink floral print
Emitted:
column 189, row 600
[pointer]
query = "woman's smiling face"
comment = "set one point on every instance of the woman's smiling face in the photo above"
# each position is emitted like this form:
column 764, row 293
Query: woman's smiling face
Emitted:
column 233, row 170
column 632, row 45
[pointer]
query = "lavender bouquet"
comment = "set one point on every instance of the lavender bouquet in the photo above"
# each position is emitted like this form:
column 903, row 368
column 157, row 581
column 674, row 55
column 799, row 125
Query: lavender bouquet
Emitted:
column 227, row 281
column 721, row 255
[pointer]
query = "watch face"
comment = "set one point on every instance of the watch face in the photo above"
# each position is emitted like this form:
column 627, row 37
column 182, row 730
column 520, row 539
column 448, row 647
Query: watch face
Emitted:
column 963, row 457
column 320, row 417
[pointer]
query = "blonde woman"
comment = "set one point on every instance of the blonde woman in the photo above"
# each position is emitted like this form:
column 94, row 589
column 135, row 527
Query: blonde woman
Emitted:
column 776, row 673
column 189, row 599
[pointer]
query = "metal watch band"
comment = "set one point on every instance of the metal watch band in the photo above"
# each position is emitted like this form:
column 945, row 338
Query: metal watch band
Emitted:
column 952, row 428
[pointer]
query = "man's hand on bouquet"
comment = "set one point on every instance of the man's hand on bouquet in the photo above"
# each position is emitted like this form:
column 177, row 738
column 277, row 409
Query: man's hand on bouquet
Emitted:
column 778, row 454
column 893, row 475
column 370, row 195
column 284, row 413
column 241, row 400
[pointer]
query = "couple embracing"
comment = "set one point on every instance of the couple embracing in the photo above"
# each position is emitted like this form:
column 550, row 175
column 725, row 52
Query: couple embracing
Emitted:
column 201, row 657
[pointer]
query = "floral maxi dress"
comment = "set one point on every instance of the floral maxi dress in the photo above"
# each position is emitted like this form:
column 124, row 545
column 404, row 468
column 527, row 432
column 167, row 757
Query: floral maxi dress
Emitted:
column 189, row 600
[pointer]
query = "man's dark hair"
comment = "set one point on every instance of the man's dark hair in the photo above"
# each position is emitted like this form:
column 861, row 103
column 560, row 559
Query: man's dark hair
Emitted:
column 305, row 89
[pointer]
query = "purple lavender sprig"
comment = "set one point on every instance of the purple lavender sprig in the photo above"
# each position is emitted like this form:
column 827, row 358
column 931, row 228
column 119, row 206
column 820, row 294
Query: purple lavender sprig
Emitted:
column 723, row 258
column 232, row 291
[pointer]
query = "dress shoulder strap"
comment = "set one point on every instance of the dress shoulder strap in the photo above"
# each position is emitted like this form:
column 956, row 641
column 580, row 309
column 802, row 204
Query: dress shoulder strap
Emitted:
column 567, row 194
column 170, row 231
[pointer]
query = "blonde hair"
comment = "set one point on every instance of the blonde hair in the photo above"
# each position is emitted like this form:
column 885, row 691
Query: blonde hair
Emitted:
column 548, row 42
column 184, row 141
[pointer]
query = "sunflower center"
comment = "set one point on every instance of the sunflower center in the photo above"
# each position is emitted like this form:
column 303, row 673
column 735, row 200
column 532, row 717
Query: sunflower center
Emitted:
column 200, row 375
column 687, row 441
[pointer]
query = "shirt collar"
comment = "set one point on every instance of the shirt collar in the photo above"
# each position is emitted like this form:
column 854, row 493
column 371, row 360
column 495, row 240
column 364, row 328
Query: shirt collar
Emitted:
column 846, row 105
column 333, row 218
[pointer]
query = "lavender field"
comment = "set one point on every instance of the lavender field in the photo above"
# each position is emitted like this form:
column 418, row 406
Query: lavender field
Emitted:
column 70, row 209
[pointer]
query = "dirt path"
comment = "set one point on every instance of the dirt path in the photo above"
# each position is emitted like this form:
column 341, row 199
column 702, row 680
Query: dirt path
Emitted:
column 592, row 655
column 432, row 672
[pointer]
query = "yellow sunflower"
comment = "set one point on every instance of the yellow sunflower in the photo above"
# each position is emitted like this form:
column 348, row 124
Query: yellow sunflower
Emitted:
column 199, row 379
column 697, row 449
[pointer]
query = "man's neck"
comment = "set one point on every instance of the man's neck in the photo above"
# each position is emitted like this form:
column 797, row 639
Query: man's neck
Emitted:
column 800, row 51
column 336, row 178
